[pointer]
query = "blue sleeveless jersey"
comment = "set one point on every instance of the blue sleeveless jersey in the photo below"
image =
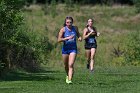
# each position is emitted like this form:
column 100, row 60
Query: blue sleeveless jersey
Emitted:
column 71, row 43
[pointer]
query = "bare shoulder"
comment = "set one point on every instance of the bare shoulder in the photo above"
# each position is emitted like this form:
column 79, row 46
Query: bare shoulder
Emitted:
column 85, row 29
column 62, row 29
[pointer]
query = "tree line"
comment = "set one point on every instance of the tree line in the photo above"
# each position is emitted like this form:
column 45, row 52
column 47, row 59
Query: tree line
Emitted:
column 136, row 3
column 130, row 2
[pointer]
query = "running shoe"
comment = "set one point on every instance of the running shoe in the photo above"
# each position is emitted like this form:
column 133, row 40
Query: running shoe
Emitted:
column 69, row 82
column 67, row 79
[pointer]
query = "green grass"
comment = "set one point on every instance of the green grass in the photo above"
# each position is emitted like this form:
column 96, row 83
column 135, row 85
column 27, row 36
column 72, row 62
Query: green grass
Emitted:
column 103, row 80
column 114, row 23
column 111, row 22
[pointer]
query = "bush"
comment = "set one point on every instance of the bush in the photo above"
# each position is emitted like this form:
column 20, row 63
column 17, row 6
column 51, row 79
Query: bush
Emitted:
column 19, row 47
column 133, row 48
column 10, row 21
column 137, row 5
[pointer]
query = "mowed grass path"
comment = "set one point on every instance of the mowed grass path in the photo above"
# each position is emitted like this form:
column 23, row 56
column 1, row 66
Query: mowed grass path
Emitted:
column 103, row 80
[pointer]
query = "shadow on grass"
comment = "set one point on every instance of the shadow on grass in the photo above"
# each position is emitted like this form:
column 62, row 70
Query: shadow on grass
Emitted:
column 98, row 84
column 24, row 76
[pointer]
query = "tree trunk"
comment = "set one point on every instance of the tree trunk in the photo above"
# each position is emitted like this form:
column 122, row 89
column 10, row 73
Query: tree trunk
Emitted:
column 8, row 61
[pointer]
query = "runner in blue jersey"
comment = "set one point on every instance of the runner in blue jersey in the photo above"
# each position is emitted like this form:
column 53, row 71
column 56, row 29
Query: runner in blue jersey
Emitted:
column 89, row 35
column 68, row 35
column 70, row 44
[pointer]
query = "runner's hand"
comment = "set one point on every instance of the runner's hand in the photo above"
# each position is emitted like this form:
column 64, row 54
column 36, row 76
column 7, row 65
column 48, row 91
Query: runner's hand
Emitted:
column 79, row 39
column 70, row 37
column 98, row 33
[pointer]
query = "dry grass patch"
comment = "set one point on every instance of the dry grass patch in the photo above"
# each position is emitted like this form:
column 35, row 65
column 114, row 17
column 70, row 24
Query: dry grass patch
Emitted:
column 135, row 19
column 34, row 7
column 120, row 19
column 107, row 30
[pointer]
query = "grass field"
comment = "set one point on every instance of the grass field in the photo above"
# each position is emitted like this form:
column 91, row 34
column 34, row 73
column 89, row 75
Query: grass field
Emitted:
column 103, row 80
column 111, row 22
column 114, row 23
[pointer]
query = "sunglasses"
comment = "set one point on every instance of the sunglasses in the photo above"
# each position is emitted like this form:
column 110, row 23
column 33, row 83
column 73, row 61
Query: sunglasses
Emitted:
column 69, row 22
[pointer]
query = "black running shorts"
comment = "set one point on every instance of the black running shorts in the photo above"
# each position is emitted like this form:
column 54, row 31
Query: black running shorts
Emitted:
column 90, row 45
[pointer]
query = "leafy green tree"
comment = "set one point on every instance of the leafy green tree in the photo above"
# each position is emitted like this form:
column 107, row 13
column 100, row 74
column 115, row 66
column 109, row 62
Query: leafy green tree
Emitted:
column 19, row 47
column 10, row 20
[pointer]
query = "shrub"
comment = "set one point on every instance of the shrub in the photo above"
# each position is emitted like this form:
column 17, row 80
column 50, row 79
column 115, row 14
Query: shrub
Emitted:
column 137, row 5
column 19, row 47
column 133, row 48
